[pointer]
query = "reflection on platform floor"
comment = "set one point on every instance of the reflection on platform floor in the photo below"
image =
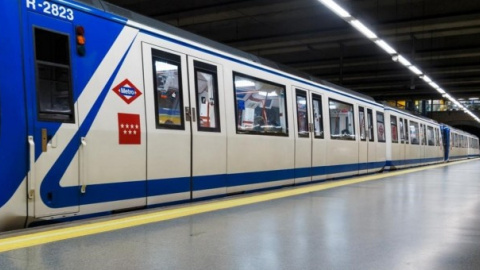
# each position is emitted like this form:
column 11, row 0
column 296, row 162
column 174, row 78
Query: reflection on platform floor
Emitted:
column 428, row 219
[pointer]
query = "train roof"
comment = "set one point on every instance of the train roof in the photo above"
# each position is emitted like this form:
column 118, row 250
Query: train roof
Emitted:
column 133, row 16
column 387, row 107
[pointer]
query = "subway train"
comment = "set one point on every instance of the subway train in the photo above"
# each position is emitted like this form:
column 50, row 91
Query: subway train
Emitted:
column 104, row 110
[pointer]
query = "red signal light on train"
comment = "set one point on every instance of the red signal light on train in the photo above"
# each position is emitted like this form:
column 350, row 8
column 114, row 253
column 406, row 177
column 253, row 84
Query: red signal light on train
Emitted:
column 80, row 31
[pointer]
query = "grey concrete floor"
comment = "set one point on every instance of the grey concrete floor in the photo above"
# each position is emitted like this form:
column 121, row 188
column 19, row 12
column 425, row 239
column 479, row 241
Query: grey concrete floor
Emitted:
column 424, row 220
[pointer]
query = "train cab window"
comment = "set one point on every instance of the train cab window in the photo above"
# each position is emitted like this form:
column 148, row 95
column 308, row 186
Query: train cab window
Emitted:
column 402, row 130
column 206, row 91
column 405, row 126
column 260, row 106
column 342, row 124
column 53, row 71
column 394, row 129
column 414, row 133
column 371, row 132
column 168, row 90
column 381, row 127
column 437, row 137
column 317, row 116
column 361, row 118
column 430, row 136
column 302, row 114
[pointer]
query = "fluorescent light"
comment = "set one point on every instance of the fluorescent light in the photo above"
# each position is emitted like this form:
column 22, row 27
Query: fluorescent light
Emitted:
column 415, row 70
column 434, row 85
column 270, row 94
column 404, row 61
column 363, row 29
column 440, row 90
column 336, row 8
column 429, row 81
column 473, row 98
column 385, row 46
column 244, row 83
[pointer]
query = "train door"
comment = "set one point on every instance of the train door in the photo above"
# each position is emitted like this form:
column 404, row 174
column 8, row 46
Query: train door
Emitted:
column 53, row 117
column 209, row 134
column 168, row 119
column 309, row 138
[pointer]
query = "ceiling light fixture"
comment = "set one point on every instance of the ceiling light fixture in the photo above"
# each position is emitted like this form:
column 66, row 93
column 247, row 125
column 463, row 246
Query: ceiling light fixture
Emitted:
column 389, row 49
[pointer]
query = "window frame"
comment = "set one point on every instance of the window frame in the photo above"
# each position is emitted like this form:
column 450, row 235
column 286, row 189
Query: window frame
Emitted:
column 370, row 126
column 417, row 133
column 170, row 59
column 286, row 133
column 303, row 94
column 349, row 137
column 394, row 123
column 318, row 98
column 54, row 116
column 361, row 111
column 380, row 126
column 210, row 69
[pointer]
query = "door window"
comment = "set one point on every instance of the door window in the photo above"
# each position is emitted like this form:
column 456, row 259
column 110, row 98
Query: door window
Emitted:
column 206, row 88
column 414, row 132
column 317, row 116
column 393, row 125
column 371, row 133
column 302, row 114
column 361, row 115
column 381, row 127
column 168, row 90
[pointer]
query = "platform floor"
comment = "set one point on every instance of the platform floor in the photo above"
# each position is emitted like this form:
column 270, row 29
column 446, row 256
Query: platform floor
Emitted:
column 414, row 219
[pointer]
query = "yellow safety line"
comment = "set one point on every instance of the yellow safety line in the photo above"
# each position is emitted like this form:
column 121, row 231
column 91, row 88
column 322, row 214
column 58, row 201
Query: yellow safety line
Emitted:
column 38, row 238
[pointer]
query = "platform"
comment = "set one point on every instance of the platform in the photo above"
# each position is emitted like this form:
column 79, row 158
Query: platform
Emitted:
column 422, row 218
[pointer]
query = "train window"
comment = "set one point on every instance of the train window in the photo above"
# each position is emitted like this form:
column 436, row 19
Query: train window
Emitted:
column 371, row 137
column 168, row 90
column 394, row 129
column 405, row 126
column 206, row 88
column 317, row 116
column 421, row 134
column 261, row 106
column 302, row 114
column 437, row 137
column 430, row 136
column 361, row 116
column 53, row 71
column 424, row 135
column 381, row 127
column 341, row 120
column 414, row 133
column 402, row 131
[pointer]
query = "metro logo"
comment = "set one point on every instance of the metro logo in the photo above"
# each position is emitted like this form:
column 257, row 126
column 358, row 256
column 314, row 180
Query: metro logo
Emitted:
column 129, row 130
column 127, row 91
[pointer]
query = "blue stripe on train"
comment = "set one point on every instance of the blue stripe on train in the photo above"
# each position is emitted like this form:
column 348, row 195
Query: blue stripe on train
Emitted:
column 131, row 190
column 393, row 163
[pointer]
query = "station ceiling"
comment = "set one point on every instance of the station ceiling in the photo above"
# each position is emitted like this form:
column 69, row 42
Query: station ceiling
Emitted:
column 441, row 37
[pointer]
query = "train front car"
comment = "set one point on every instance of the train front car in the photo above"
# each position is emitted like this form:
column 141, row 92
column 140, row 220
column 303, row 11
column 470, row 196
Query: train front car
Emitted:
column 13, row 126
